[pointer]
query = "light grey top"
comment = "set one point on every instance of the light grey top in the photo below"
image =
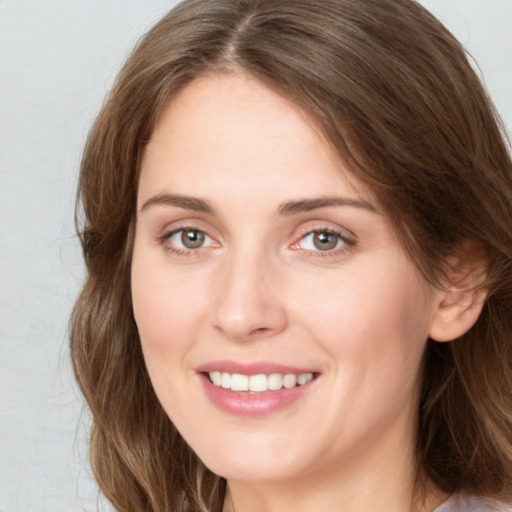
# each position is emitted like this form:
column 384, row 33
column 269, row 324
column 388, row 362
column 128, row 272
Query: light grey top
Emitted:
column 465, row 503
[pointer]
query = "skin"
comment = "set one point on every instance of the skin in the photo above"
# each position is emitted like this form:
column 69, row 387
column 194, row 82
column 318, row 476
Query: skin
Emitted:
column 259, row 289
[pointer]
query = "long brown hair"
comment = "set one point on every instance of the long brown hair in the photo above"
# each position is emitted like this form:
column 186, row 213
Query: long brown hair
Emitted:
column 394, row 94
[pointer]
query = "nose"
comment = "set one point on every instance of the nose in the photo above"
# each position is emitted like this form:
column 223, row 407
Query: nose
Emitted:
column 247, row 304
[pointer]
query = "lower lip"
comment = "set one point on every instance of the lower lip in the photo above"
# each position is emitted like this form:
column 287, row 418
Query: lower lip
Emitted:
column 252, row 404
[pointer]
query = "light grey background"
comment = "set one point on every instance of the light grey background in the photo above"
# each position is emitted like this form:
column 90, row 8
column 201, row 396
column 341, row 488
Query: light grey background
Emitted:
column 57, row 60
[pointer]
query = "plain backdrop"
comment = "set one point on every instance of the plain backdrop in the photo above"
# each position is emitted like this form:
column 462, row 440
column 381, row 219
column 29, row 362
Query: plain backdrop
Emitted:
column 57, row 61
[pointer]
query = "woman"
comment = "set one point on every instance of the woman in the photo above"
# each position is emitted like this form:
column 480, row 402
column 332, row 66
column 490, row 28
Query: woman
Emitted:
column 298, row 236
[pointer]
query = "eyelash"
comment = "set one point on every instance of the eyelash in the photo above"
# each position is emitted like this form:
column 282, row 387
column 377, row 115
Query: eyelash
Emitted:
column 164, row 239
column 347, row 242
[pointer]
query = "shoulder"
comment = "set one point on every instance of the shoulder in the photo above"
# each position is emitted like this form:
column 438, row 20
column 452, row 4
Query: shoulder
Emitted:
column 468, row 503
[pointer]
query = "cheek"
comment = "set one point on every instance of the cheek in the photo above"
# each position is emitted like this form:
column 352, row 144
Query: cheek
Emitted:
column 167, row 307
column 165, row 320
column 153, row 311
column 373, row 324
column 166, row 304
column 374, row 317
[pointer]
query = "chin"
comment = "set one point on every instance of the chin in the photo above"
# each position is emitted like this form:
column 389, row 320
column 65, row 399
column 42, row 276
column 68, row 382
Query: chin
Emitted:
column 251, row 470
column 266, row 460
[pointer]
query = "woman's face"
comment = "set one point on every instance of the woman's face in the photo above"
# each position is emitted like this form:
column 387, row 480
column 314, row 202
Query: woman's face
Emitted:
column 261, row 264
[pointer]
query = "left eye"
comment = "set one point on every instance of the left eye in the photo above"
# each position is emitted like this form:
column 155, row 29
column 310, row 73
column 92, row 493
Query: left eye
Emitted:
column 321, row 241
column 190, row 239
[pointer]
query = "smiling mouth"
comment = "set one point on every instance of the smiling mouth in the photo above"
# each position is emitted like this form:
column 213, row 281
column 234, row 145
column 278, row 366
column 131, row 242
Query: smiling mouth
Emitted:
column 260, row 383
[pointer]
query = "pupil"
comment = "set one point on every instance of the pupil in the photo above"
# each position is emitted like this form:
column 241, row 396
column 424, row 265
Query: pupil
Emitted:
column 192, row 239
column 325, row 241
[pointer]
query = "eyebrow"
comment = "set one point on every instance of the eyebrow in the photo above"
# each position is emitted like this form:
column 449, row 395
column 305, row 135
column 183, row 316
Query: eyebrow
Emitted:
column 307, row 205
column 285, row 209
column 185, row 202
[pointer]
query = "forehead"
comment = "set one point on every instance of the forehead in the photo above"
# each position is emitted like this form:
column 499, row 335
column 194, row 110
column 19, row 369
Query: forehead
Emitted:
column 225, row 127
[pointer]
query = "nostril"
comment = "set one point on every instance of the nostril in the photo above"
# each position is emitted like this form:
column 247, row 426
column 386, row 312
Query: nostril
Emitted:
column 260, row 330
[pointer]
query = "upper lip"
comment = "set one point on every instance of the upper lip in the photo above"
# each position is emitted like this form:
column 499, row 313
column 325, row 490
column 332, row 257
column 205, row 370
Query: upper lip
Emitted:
column 251, row 368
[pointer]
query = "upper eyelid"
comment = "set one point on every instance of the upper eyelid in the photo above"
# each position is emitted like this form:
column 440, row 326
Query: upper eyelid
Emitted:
column 306, row 228
column 328, row 231
column 319, row 226
column 171, row 232
column 195, row 224
column 176, row 231
column 345, row 239
column 166, row 236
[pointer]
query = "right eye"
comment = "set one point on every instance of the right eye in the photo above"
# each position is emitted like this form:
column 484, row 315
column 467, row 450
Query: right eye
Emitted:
column 323, row 241
column 187, row 239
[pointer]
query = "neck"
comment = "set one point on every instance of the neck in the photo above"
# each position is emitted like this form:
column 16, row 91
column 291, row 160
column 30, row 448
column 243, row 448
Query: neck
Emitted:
column 265, row 498
column 269, row 503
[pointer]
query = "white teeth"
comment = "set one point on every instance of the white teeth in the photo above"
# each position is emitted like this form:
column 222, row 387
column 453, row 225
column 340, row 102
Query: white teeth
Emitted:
column 289, row 381
column 216, row 378
column 239, row 382
column 304, row 378
column 225, row 380
column 275, row 381
column 258, row 383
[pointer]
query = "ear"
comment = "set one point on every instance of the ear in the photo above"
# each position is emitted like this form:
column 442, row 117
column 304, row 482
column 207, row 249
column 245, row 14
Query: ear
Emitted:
column 461, row 302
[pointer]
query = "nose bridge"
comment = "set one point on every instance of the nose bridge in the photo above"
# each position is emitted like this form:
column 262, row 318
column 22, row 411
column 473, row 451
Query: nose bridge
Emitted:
column 247, row 303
